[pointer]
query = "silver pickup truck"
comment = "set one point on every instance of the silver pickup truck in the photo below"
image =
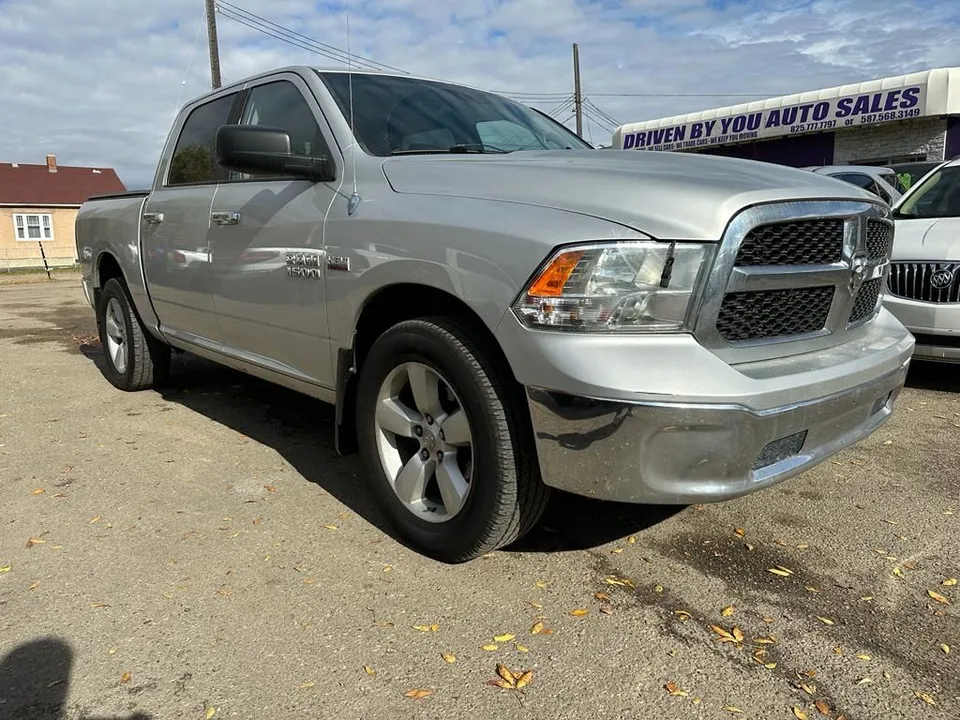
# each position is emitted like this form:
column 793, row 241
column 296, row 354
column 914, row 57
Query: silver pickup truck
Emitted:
column 495, row 308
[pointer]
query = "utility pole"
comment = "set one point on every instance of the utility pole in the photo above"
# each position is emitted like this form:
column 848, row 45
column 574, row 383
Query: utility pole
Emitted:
column 212, row 44
column 577, row 96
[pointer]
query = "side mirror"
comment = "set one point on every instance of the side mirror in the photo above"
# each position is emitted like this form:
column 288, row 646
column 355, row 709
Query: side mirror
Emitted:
column 257, row 149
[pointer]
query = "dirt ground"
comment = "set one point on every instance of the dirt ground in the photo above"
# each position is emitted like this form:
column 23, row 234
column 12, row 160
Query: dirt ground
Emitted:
column 202, row 552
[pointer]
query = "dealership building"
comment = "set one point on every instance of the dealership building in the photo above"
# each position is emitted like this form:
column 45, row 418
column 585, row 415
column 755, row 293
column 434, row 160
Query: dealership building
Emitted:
column 898, row 119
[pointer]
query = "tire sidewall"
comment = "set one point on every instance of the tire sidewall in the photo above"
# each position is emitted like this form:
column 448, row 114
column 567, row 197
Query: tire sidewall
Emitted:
column 113, row 289
column 493, row 482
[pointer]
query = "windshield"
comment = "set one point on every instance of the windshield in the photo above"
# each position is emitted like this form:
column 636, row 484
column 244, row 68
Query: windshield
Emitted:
column 936, row 197
column 394, row 115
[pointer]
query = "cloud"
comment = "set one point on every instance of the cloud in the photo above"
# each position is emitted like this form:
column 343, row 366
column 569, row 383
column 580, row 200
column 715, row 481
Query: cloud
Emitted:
column 99, row 83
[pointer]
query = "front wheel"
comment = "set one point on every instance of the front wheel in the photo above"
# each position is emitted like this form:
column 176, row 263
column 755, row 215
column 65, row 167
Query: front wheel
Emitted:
column 445, row 442
column 135, row 360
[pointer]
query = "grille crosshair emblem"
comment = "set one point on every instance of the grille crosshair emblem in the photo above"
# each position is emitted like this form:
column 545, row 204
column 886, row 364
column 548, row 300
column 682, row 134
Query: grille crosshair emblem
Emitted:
column 941, row 279
column 858, row 271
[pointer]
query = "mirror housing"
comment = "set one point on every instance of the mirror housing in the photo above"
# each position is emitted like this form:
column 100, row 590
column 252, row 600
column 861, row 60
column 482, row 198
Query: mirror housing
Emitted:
column 262, row 150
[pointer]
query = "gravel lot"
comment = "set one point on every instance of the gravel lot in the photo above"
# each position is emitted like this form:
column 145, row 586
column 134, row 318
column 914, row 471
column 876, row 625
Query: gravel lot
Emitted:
column 203, row 552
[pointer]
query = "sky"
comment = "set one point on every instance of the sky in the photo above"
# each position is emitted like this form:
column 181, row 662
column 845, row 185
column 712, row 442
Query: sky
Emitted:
column 98, row 83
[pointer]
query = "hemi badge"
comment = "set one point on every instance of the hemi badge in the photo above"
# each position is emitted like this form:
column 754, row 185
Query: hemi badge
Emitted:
column 338, row 262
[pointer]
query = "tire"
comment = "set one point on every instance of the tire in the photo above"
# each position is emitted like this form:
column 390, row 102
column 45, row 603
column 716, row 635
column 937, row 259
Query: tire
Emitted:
column 134, row 359
column 505, row 495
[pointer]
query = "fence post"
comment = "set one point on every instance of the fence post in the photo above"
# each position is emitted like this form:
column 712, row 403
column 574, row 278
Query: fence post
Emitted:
column 44, row 256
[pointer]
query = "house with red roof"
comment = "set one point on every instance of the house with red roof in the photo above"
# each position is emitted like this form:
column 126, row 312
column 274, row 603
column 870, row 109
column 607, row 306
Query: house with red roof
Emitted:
column 38, row 207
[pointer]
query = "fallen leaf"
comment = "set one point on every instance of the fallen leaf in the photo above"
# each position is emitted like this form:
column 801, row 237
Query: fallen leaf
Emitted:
column 95, row 518
column 808, row 688
column 35, row 541
column 537, row 628
column 125, row 678
column 732, row 709
column 938, row 597
column 330, row 527
column 522, row 648
column 768, row 620
column 606, row 610
column 500, row 683
column 387, row 567
column 112, row 651
column 306, row 685
column 838, row 650
column 811, row 588
column 949, row 582
column 601, row 596
column 867, row 598
column 506, row 637
column 928, row 699
column 675, row 690
column 738, row 634
column 38, row 491
column 538, row 606
column 822, row 707
column 224, row 592
column 5, row 568
column 269, row 488
column 802, row 546
column 524, row 679
column 579, row 612
column 864, row 657
column 825, row 621
column 34, row 585
column 727, row 611
column 98, row 605
column 945, row 649
column 632, row 539
column 309, row 581
column 800, row 714
column 369, row 670
column 891, row 522
column 739, row 532
column 770, row 666
column 614, row 580
column 864, row 681
column 489, row 648
column 682, row 614
column 504, row 672
column 211, row 711
column 888, row 442
column 449, row 657
column 726, row 636
column 770, row 640
column 417, row 694
column 617, row 551
column 541, row 584
column 658, row 588
column 427, row 628
column 781, row 571
column 898, row 572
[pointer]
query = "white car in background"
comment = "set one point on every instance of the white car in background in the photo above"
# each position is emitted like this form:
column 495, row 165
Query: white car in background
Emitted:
column 924, row 280
column 881, row 181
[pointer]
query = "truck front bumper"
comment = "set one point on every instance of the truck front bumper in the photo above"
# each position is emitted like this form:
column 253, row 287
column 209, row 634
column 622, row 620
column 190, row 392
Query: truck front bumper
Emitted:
column 703, row 431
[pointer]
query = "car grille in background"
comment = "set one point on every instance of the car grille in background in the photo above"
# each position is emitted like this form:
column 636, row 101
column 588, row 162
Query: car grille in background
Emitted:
column 773, row 313
column 801, row 242
column 879, row 239
column 915, row 281
column 866, row 301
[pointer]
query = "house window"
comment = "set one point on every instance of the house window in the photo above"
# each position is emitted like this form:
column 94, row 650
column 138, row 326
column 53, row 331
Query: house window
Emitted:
column 33, row 227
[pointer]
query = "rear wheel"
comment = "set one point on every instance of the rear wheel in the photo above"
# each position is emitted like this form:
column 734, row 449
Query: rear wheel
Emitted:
column 445, row 442
column 135, row 360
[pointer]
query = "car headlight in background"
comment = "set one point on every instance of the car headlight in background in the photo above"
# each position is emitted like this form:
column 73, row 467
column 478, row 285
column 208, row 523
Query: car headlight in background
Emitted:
column 615, row 287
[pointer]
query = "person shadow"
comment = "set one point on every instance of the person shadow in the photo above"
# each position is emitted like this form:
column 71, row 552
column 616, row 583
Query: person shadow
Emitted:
column 35, row 681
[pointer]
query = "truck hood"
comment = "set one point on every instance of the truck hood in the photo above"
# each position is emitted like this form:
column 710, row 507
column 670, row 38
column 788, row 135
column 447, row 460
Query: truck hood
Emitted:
column 676, row 196
column 928, row 239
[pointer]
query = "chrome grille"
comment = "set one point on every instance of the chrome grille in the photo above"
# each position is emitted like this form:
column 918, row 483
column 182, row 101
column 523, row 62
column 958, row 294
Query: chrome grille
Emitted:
column 866, row 301
column 794, row 277
column 804, row 242
column 758, row 315
column 879, row 238
column 916, row 281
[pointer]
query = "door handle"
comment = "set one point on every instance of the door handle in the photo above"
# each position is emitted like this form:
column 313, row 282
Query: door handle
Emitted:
column 153, row 218
column 225, row 218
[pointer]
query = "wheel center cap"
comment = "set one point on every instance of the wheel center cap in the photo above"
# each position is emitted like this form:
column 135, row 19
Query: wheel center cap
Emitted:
column 429, row 439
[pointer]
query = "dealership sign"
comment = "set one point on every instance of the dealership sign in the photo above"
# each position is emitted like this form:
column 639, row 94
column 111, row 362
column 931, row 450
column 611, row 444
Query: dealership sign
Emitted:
column 812, row 116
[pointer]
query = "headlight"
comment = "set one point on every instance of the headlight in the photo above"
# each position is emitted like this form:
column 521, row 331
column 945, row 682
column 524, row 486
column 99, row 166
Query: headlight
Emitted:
column 615, row 287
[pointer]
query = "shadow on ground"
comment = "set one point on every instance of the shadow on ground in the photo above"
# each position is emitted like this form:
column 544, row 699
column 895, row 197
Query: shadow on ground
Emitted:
column 942, row 377
column 301, row 430
column 35, row 682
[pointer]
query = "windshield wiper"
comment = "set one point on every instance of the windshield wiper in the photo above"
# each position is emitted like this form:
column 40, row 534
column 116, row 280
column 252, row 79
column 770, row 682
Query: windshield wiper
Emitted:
column 463, row 148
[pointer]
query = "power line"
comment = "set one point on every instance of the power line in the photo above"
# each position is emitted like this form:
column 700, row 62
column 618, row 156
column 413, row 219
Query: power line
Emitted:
column 691, row 95
column 262, row 24
column 590, row 113
column 607, row 116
